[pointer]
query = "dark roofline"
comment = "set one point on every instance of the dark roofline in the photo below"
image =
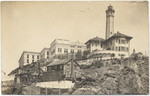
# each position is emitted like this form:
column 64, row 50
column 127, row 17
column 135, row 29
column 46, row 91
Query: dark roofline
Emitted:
column 67, row 63
column 13, row 71
column 100, row 39
column 60, row 63
column 115, row 35
column 18, row 68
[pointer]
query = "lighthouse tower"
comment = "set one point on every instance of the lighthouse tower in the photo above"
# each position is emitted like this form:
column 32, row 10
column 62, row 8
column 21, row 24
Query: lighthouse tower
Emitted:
column 109, row 22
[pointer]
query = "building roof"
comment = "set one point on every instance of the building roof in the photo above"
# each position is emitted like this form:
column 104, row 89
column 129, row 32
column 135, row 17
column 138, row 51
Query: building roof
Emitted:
column 58, row 62
column 118, row 34
column 95, row 39
column 45, row 49
column 32, row 65
column 14, row 71
column 63, row 61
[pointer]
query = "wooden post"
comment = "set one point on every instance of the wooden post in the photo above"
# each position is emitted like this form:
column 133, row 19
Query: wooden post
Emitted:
column 59, row 91
column 45, row 91
column 72, row 59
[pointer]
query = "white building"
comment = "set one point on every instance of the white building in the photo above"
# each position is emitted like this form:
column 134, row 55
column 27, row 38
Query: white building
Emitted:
column 115, row 45
column 60, row 47
column 44, row 53
column 28, row 57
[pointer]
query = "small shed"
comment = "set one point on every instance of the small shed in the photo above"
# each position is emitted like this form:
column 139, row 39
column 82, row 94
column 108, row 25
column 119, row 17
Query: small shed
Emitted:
column 62, row 69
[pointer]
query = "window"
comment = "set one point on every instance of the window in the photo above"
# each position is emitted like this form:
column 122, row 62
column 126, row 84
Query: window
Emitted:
column 116, row 49
column 123, row 41
column 27, row 56
column 32, row 56
column 79, row 50
column 122, row 48
column 61, row 67
column 127, row 49
column 55, row 67
column 119, row 41
column 79, row 46
column 72, row 50
column 119, row 49
column 96, row 44
column 37, row 56
column 27, row 60
column 72, row 46
column 47, row 52
column 101, row 45
column 92, row 44
column 65, row 50
column 112, row 48
column 59, row 50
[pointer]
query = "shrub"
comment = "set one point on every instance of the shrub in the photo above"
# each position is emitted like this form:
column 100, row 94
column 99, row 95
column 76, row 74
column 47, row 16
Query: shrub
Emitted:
column 97, row 64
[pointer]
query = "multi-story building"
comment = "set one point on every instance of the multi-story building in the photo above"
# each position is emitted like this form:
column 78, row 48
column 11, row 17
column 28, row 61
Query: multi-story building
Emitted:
column 61, row 47
column 114, row 45
column 44, row 53
column 94, row 44
column 28, row 57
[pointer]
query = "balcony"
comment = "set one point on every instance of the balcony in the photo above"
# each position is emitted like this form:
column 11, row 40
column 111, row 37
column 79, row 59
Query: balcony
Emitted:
column 106, row 53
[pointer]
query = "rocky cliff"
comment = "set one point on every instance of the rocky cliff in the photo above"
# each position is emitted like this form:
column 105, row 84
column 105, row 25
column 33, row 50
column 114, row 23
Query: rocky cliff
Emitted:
column 111, row 77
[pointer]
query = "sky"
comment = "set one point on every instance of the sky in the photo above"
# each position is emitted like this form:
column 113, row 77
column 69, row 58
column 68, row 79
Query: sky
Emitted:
column 31, row 26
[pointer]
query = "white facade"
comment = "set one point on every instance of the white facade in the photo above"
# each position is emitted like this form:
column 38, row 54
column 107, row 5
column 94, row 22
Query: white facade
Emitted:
column 44, row 53
column 62, row 46
column 117, row 45
column 28, row 58
column 94, row 44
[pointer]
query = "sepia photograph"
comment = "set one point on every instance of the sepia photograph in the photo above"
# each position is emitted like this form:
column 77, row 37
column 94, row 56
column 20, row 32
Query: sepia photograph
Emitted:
column 74, row 48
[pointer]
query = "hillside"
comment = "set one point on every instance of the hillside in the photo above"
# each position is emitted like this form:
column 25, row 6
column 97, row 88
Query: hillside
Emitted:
column 126, row 76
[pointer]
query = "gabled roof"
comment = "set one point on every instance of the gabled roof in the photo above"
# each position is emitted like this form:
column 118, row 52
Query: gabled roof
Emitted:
column 58, row 62
column 118, row 34
column 14, row 71
column 32, row 66
column 95, row 39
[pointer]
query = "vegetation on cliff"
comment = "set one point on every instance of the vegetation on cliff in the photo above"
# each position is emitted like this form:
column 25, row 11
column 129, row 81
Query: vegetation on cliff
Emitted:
column 116, row 76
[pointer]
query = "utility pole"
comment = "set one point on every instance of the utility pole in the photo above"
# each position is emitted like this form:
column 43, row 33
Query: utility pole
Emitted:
column 72, row 59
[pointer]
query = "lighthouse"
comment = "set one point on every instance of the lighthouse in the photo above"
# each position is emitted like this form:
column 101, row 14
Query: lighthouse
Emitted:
column 109, row 22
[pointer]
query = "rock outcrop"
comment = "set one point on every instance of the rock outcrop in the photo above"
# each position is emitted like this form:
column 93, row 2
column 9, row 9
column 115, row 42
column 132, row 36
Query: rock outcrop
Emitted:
column 126, row 76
